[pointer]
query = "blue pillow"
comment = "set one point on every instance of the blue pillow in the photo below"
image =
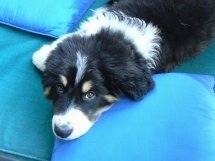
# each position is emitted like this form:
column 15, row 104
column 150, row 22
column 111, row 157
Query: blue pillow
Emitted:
column 48, row 17
column 174, row 122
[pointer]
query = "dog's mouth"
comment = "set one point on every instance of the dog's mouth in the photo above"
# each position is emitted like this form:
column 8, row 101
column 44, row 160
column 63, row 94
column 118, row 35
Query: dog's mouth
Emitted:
column 71, row 125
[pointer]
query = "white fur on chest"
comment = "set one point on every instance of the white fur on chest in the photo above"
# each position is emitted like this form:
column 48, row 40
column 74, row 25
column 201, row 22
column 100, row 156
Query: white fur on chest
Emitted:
column 145, row 37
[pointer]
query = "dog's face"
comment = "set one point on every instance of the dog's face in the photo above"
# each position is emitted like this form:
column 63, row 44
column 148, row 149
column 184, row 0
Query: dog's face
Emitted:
column 79, row 98
column 78, row 94
column 84, row 77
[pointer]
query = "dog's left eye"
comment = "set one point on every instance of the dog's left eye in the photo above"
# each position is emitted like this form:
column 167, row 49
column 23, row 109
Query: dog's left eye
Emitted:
column 89, row 96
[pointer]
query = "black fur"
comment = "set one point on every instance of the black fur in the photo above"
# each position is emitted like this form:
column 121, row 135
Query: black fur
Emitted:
column 114, row 65
column 186, row 25
column 185, row 28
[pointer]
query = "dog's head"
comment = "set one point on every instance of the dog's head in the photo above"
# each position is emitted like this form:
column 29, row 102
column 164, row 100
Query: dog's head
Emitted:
column 84, row 76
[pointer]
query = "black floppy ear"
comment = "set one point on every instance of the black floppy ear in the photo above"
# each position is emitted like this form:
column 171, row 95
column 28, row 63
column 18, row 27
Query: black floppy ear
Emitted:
column 127, row 74
column 135, row 83
column 133, row 80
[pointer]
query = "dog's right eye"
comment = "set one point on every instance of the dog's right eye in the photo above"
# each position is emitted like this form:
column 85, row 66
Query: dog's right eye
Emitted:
column 59, row 89
column 89, row 96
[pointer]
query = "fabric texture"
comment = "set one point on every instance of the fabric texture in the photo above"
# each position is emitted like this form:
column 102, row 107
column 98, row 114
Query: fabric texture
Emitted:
column 52, row 18
column 25, row 117
column 173, row 122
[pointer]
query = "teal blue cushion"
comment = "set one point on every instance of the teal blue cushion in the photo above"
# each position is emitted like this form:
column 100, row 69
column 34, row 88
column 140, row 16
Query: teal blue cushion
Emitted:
column 174, row 122
column 25, row 117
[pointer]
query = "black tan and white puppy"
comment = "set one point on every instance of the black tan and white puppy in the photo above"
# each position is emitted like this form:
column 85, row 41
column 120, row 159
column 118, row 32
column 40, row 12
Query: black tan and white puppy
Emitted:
column 114, row 54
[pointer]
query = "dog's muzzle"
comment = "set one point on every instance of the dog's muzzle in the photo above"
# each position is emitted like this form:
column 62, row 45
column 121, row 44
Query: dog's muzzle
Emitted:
column 71, row 125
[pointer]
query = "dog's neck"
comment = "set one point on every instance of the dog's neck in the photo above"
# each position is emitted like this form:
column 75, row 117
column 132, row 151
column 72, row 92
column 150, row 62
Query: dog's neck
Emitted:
column 144, row 37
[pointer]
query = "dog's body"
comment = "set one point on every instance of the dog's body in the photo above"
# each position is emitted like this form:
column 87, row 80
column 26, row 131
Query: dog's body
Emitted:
column 115, row 53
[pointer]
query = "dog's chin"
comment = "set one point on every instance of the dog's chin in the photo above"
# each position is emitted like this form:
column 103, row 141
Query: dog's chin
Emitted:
column 76, row 123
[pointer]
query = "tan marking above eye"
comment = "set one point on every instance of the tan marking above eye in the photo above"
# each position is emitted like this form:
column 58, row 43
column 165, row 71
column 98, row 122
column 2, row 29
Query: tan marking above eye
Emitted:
column 101, row 110
column 110, row 98
column 47, row 91
column 63, row 80
column 87, row 86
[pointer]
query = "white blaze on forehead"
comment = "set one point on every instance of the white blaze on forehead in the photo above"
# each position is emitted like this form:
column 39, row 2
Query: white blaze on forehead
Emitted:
column 81, row 64
column 74, row 118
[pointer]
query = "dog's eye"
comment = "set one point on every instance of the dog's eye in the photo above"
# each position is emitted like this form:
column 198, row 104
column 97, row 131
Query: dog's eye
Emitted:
column 59, row 89
column 89, row 96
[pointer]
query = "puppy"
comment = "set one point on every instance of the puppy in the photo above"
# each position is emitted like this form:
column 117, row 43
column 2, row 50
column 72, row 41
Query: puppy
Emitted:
column 114, row 54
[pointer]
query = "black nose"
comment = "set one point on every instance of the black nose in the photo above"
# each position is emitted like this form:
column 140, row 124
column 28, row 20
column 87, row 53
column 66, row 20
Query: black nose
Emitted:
column 63, row 131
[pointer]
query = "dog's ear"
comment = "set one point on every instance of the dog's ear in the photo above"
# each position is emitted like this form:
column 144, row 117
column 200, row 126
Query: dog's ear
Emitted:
column 130, row 81
column 40, row 57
